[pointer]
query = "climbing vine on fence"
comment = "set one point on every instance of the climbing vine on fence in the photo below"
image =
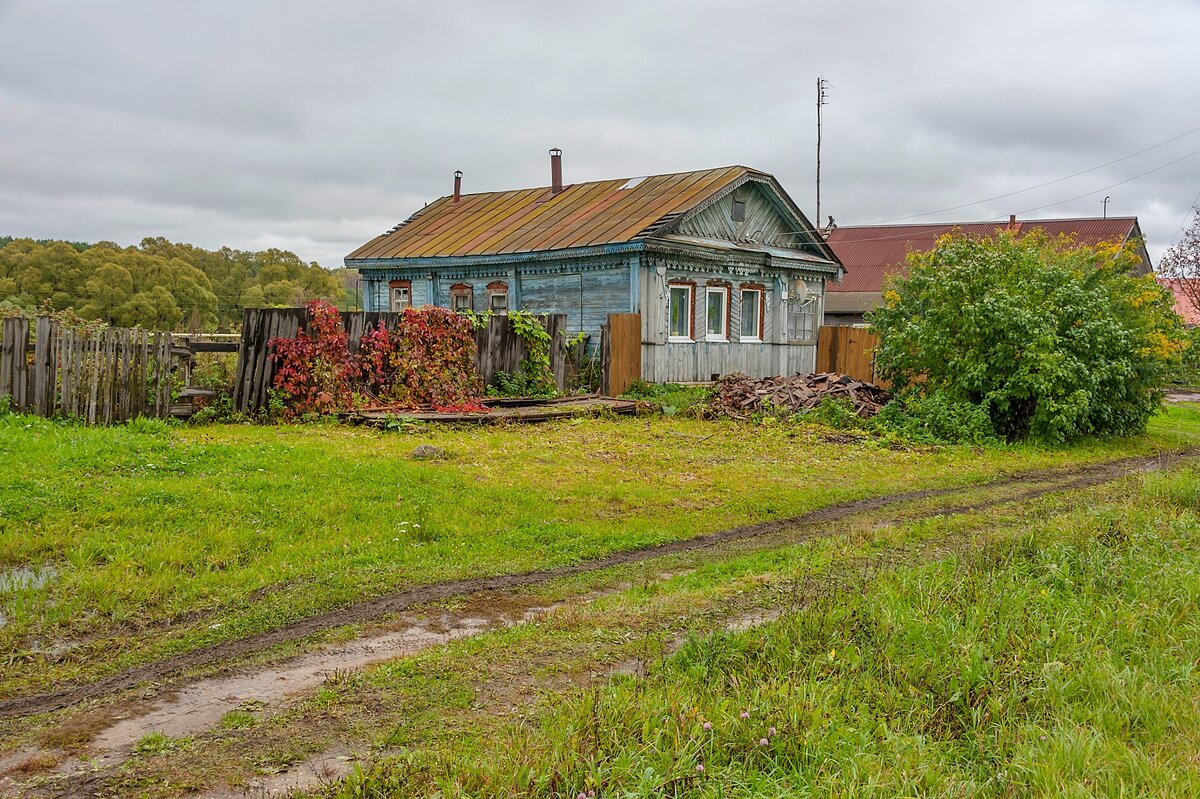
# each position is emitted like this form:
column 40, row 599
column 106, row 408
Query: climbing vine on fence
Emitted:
column 536, row 374
column 427, row 360
column 314, row 370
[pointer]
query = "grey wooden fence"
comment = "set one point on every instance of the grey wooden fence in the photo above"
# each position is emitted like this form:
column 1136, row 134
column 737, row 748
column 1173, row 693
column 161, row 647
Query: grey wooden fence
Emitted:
column 98, row 375
column 499, row 349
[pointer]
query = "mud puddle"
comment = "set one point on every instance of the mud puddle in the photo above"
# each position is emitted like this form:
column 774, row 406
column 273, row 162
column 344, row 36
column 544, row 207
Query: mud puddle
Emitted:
column 200, row 706
column 313, row 772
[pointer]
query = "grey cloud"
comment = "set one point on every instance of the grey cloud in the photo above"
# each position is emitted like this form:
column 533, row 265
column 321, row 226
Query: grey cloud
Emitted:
column 315, row 126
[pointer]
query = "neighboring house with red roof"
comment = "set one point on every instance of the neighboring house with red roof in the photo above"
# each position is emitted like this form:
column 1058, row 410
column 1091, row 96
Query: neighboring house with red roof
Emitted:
column 872, row 252
column 1187, row 295
column 727, row 273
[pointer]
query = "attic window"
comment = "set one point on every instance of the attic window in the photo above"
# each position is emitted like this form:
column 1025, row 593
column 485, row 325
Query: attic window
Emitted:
column 629, row 184
column 739, row 210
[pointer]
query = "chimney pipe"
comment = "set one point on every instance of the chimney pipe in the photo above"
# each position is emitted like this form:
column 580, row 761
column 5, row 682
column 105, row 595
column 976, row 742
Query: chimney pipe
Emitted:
column 555, row 170
column 1012, row 221
column 457, row 185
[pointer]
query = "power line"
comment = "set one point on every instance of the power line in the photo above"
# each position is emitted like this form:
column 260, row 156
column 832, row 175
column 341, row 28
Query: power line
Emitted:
column 1114, row 185
column 1047, row 183
column 1191, row 209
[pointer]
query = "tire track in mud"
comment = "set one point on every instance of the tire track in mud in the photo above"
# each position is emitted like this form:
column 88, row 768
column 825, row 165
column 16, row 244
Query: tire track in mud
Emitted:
column 1047, row 480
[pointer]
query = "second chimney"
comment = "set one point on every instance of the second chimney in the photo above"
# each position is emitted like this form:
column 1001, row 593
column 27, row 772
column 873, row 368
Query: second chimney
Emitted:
column 457, row 185
column 555, row 170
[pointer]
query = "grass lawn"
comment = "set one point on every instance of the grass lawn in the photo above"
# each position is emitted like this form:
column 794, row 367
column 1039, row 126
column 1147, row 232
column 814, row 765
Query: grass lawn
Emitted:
column 131, row 543
column 1057, row 659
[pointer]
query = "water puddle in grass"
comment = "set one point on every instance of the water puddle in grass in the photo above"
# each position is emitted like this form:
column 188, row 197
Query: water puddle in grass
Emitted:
column 23, row 578
column 200, row 706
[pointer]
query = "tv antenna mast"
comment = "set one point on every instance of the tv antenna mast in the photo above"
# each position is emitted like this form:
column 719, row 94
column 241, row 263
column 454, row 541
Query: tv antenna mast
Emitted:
column 822, row 99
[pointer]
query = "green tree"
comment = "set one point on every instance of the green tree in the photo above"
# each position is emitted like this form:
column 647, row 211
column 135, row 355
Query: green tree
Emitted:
column 1051, row 340
column 106, row 293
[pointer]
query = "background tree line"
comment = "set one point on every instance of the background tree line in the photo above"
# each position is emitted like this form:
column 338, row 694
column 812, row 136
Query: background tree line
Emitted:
column 159, row 284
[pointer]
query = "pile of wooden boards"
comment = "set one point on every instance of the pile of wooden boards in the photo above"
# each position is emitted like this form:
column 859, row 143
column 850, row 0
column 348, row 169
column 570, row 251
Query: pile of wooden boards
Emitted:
column 739, row 397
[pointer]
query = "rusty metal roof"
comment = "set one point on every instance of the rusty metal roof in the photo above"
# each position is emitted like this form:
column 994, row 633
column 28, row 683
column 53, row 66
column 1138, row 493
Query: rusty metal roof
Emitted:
column 528, row 220
column 872, row 252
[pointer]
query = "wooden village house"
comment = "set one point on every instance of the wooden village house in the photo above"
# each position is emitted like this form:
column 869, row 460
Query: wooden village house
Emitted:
column 726, row 272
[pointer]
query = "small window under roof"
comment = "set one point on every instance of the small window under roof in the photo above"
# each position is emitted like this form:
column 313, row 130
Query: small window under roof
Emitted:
column 629, row 184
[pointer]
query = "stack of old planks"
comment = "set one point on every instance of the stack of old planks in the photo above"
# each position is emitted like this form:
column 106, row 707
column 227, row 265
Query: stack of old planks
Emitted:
column 739, row 396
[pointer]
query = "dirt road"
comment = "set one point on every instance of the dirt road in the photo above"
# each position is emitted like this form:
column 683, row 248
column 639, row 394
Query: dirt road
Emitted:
column 1040, row 482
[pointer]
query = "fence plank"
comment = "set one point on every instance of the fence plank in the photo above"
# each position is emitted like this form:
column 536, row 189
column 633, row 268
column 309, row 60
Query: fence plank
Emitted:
column 848, row 350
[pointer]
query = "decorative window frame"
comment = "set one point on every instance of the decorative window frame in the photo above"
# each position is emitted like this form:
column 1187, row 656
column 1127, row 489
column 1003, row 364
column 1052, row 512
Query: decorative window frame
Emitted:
column 761, row 290
column 497, row 288
column 461, row 291
column 398, row 284
column 691, row 310
column 723, row 288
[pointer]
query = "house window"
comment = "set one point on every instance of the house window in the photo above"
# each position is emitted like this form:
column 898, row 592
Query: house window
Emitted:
column 461, row 298
column 752, row 315
column 497, row 297
column 716, row 302
column 680, row 312
column 801, row 314
column 399, row 295
column 739, row 210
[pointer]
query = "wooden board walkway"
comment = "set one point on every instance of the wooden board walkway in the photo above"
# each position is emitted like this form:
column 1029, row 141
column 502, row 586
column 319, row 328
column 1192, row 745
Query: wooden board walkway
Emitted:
column 508, row 410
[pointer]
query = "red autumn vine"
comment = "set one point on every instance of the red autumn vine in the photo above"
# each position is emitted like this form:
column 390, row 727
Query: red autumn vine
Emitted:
column 427, row 360
column 314, row 370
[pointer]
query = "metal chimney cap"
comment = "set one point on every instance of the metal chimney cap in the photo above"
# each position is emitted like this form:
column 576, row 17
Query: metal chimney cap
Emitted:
column 458, row 173
column 555, row 151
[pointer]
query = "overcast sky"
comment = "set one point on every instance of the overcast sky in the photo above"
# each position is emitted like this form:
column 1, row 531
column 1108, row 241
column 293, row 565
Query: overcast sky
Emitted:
column 316, row 126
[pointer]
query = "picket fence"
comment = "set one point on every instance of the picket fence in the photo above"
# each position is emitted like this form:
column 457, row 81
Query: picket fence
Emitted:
column 98, row 375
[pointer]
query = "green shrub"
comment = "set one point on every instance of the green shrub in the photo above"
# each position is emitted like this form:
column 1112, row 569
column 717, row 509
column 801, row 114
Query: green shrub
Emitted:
column 935, row 419
column 1052, row 341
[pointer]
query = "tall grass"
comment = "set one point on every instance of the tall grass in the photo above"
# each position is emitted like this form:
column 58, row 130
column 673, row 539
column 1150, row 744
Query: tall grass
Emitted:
column 1063, row 663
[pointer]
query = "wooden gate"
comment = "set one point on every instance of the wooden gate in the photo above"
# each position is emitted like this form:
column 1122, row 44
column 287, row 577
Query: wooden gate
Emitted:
column 849, row 351
column 622, row 353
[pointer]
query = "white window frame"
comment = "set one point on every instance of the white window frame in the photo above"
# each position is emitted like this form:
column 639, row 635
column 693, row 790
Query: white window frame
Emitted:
column 723, row 292
column 759, row 306
column 395, row 303
column 689, row 316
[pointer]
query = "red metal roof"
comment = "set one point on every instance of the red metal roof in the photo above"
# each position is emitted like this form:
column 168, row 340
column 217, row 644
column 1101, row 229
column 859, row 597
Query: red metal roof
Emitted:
column 1183, row 304
column 527, row 220
column 872, row 252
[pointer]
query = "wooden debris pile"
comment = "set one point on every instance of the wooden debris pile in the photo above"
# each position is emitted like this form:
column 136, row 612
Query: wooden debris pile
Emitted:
column 740, row 397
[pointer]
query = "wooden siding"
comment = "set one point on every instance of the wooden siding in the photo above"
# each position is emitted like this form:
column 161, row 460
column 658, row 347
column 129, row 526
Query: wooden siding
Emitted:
column 762, row 223
column 698, row 361
column 604, row 291
column 587, row 298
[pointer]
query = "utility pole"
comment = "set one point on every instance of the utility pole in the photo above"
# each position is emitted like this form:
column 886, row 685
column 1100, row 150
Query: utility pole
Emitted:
column 822, row 87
